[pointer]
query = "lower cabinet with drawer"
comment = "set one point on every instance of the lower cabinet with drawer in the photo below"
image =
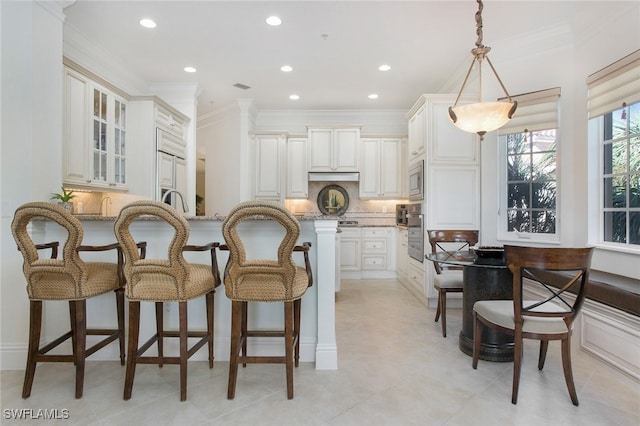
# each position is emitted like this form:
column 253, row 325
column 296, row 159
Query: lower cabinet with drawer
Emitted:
column 415, row 281
column 367, row 252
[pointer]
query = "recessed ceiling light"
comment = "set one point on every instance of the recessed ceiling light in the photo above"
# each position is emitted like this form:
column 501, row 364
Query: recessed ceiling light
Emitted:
column 274, row 21
column 373, row 96
column 384, row 67
column 286, row 68
column 294, row 97
column 147, row 23
column 189, row 69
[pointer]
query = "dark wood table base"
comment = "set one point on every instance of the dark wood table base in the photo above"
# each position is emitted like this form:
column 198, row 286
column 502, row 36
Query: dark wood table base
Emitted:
column 484, row 282
column 488, row 352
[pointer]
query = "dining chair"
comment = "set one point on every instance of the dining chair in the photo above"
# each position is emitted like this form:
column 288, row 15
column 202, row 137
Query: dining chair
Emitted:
column 276, row 279
column 68, row 278
column 448, row 278
column 160, row 280
column 553, row 274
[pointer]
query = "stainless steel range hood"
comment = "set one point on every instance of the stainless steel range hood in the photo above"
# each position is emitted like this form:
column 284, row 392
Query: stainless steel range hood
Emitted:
column 334, row 176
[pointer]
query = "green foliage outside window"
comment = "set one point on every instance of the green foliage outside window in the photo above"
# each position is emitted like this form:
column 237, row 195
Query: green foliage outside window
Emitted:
column 621, row 175
column 531, row 182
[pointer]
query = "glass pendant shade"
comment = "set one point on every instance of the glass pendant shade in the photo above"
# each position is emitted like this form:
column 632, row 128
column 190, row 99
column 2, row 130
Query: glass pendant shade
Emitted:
column 482, row 117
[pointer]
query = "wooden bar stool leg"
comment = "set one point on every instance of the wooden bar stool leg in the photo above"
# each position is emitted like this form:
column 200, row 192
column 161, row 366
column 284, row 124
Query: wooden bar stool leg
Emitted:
column 80, row 332
column 243, row 333
column 296, row 330
column 182, row 308
column 438, row 307
column 236, row 325
column 160, row 331
column 120, row 312
column 288, row 338
column 132, row 355
column 72, row 318
column 210, row 325
column 35, row 323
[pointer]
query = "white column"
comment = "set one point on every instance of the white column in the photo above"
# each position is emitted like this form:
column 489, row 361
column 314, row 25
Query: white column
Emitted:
column 325, row 280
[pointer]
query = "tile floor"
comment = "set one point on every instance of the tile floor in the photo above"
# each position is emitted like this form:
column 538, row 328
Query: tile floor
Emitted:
column 395, row 368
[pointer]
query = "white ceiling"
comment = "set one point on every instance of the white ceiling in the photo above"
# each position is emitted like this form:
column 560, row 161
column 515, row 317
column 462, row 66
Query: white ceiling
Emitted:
column 427, row 44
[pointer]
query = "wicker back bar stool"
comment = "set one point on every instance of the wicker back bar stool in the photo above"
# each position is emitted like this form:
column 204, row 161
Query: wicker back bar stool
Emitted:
column 165, row 280
column 264, row 280
column 67, row 278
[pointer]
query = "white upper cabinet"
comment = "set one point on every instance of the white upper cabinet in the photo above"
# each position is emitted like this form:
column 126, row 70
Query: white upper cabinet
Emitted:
column 382, row 168
column 451, row 161
column 95, row 135
column 297, row 180
column 170, row 122
column 269, row 166
column 417, row 135
column 449, row 144
column 333, row 149
column 432, row 134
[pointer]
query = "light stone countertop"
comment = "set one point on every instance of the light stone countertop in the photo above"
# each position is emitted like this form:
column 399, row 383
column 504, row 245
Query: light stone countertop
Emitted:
column 362, row 222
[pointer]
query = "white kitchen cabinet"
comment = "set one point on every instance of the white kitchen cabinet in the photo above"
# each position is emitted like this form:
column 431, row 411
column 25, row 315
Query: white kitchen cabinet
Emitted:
column 415, row 279
column 269, row 170
column 170, row 121
column 297, row 180
column 375, row 244
column 156, row 128
column 382, row 168
column 417, row 135
column 349, row 251
column 451, row 163
column 367, row 252
column 402, row 259
column 172, row 174
column 333, row 149
column 95, row 134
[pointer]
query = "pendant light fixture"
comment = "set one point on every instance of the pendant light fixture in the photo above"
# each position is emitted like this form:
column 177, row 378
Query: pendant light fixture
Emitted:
column 481, row 117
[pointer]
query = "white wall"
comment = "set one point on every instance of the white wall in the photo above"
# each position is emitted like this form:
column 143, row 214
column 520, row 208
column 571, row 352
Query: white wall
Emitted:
column 31, row 144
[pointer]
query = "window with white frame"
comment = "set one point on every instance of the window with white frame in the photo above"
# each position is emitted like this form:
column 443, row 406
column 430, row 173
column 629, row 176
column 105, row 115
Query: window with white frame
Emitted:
column 528, row 147
column 614, row 122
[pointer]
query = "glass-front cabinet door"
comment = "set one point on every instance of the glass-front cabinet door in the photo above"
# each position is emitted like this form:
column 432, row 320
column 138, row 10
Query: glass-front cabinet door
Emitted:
column 109, row 139
column 94, row 135
column 100, row 150
column 120, row 152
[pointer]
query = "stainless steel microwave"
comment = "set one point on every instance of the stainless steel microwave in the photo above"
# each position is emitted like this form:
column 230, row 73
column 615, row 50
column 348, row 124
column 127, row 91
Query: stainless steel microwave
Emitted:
column 416, row 181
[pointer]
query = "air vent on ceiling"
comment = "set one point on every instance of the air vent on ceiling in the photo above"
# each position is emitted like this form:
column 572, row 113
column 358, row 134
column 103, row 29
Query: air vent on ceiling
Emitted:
column 242, row 86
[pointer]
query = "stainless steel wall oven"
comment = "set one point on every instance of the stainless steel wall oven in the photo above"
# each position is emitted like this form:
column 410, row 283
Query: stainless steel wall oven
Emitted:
column 415, row 228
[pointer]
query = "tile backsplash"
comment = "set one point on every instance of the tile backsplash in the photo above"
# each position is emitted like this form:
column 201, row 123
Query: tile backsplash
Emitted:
column 357, row 207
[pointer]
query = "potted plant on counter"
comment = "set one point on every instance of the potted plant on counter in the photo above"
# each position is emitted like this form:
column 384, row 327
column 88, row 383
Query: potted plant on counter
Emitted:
column 64, row 199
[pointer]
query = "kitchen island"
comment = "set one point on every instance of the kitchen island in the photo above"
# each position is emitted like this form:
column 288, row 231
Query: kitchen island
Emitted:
column 317, row 334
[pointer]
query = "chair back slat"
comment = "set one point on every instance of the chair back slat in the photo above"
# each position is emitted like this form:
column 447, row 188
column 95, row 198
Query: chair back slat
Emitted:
column 450, row 241
column 552, row 272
